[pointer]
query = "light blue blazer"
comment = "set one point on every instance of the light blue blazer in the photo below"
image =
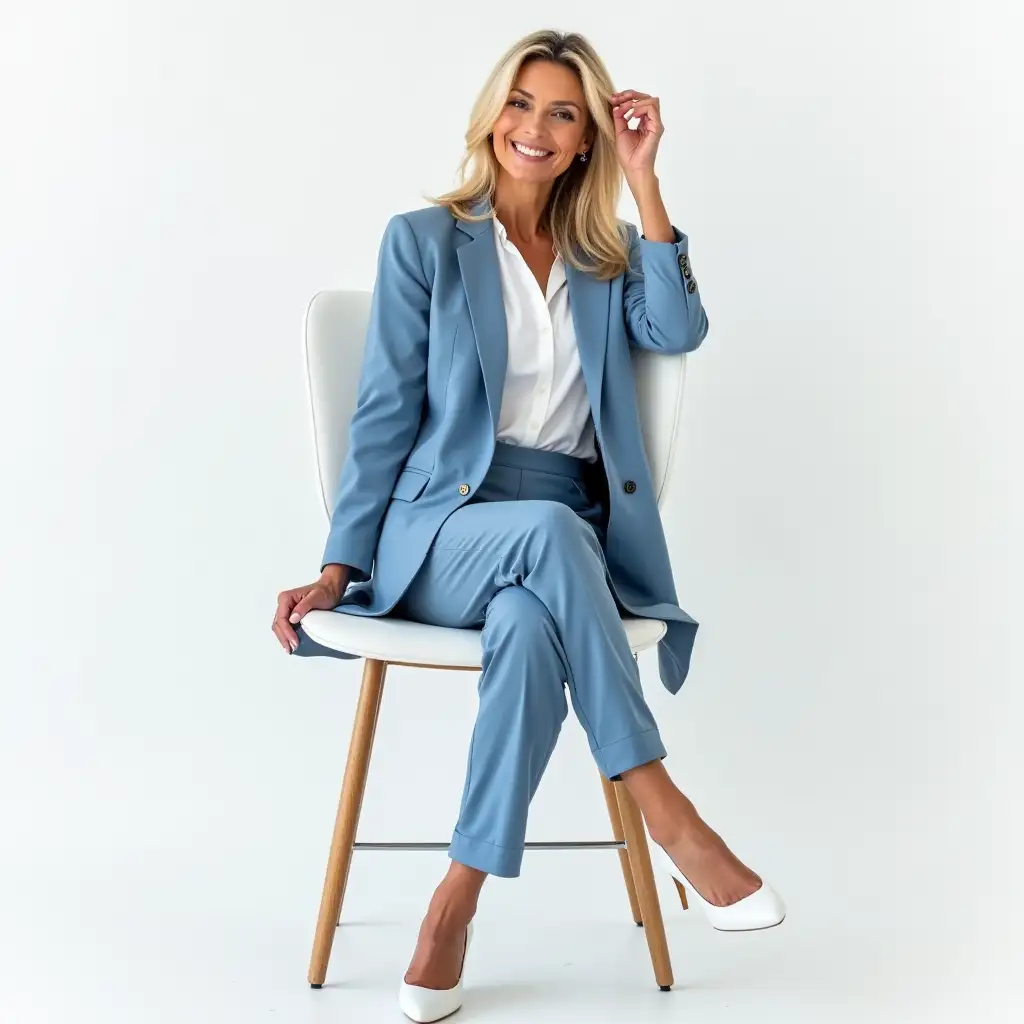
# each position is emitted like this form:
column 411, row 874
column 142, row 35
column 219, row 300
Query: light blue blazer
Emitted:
column 423, row 432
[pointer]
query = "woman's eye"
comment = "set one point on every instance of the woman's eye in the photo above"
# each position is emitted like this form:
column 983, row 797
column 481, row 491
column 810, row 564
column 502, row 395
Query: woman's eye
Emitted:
column 521, row 104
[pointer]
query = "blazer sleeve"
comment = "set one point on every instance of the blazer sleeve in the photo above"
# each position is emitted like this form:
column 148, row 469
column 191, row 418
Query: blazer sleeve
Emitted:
column 662, row 304
column 391, row 393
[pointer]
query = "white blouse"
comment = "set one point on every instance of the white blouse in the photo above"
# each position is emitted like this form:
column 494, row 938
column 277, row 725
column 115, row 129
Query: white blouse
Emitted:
column 544, row 403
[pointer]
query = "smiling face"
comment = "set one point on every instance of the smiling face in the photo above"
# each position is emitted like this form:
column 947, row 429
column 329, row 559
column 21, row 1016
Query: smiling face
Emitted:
column 543, row 126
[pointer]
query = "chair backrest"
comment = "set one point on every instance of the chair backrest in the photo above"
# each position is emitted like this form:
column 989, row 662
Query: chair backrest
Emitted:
column 336, row 323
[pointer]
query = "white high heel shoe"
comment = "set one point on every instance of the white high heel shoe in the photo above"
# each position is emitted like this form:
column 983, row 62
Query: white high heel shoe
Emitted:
column 763, row 908
column 425, row 1005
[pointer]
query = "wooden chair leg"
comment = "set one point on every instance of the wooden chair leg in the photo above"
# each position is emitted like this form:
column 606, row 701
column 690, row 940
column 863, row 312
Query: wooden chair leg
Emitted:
column 627, row 872
column 373, row 733
column 646, row 890
column 347, row 819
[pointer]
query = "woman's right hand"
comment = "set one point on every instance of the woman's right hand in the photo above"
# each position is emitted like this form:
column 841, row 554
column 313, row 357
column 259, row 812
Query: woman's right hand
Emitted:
column 326, row 594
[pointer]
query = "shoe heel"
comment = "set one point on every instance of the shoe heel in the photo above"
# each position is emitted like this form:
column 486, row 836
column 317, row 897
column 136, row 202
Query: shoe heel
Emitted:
column 681, row 889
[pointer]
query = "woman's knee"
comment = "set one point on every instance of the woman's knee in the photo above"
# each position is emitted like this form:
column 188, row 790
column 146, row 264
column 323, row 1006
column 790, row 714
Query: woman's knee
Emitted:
column 517, row 617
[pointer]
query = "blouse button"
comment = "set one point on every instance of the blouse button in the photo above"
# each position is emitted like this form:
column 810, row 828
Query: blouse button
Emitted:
column 629, row 486
column 463, row 489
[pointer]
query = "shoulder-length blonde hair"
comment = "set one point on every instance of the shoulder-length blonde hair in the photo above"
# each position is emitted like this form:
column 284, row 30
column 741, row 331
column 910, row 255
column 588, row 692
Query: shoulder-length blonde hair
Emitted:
column 581, row 213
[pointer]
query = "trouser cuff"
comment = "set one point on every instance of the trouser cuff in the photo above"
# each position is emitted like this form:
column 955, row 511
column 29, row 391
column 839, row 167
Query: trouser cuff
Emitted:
column 628, row 753
column 504, row 861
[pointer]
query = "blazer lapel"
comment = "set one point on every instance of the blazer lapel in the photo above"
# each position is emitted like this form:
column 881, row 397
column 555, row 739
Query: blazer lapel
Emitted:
column 588, row 304
column 481, row 278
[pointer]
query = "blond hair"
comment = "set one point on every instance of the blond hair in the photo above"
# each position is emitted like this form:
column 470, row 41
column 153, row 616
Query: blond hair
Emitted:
column 581, row 212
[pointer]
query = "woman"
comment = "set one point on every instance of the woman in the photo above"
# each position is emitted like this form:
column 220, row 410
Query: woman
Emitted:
column 496, row 475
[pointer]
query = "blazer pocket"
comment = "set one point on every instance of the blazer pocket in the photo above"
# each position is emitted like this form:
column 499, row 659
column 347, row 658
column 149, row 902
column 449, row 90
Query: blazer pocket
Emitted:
column 409, row 484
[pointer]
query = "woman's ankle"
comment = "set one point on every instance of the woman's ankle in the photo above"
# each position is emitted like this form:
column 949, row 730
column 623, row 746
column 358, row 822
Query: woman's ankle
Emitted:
column 457, row 896
column 685, row 826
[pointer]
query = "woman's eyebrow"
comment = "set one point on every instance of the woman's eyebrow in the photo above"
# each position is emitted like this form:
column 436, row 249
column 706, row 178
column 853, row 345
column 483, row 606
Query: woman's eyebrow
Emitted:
column 556, row 103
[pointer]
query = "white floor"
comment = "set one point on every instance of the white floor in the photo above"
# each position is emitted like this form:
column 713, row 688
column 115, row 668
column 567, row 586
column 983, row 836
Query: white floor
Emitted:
column 222, row 941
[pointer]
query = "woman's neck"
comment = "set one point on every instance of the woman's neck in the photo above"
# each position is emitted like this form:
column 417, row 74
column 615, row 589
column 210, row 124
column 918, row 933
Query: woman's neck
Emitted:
column 520, row 207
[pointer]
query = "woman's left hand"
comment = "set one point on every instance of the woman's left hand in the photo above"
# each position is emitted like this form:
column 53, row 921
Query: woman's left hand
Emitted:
column 636, row 147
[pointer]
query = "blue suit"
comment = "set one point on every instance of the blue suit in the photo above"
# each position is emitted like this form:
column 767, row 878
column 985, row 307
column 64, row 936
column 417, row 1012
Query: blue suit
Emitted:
column 429, row 396
column 442, row 524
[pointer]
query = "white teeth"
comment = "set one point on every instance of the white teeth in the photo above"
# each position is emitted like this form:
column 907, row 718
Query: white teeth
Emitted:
column 530, row 152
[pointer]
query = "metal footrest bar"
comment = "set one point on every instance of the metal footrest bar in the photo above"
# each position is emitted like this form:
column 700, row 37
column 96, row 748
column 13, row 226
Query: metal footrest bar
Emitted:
column 609, row 844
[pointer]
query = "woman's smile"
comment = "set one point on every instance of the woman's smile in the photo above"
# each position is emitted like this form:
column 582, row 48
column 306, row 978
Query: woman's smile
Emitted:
column 531, row 154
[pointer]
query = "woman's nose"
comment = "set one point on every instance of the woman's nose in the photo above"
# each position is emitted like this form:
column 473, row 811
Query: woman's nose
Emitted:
column 535, row 123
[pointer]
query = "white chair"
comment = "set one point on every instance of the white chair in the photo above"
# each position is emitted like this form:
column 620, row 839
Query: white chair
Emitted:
column 335, row 332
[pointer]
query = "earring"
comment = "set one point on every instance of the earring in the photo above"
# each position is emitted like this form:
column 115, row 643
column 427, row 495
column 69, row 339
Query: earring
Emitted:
column 583, row 158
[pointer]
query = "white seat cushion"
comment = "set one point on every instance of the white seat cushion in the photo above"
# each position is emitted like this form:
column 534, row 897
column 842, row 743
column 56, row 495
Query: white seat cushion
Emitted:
column 398, row 640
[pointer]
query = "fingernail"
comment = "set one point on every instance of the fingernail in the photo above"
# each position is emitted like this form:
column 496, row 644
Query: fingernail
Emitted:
column 293, row 617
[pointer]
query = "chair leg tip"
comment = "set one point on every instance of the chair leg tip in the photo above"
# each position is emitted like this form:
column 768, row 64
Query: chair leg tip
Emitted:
column 639, row 924
column 665, row 988
column 313, row 984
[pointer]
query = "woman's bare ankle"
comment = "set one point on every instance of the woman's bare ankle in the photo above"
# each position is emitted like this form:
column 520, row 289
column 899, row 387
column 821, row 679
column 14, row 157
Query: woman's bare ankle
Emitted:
column 675, row 820
column 456, row 898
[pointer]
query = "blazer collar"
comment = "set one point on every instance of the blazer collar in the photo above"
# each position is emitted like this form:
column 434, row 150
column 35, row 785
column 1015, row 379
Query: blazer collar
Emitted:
column 481, row 278
column 475, row 228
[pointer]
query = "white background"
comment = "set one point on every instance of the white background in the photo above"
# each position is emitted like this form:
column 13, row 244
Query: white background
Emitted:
column 176, row 180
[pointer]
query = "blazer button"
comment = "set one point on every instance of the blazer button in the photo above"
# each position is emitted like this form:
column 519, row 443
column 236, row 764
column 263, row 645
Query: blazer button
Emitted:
column 687, row 273
column 683, row 261
column 629, row 486
column 691, row 287
column 463, row 489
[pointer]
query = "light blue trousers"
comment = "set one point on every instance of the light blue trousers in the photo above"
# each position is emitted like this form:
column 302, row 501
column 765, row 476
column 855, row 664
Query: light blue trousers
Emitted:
column 524, row 561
